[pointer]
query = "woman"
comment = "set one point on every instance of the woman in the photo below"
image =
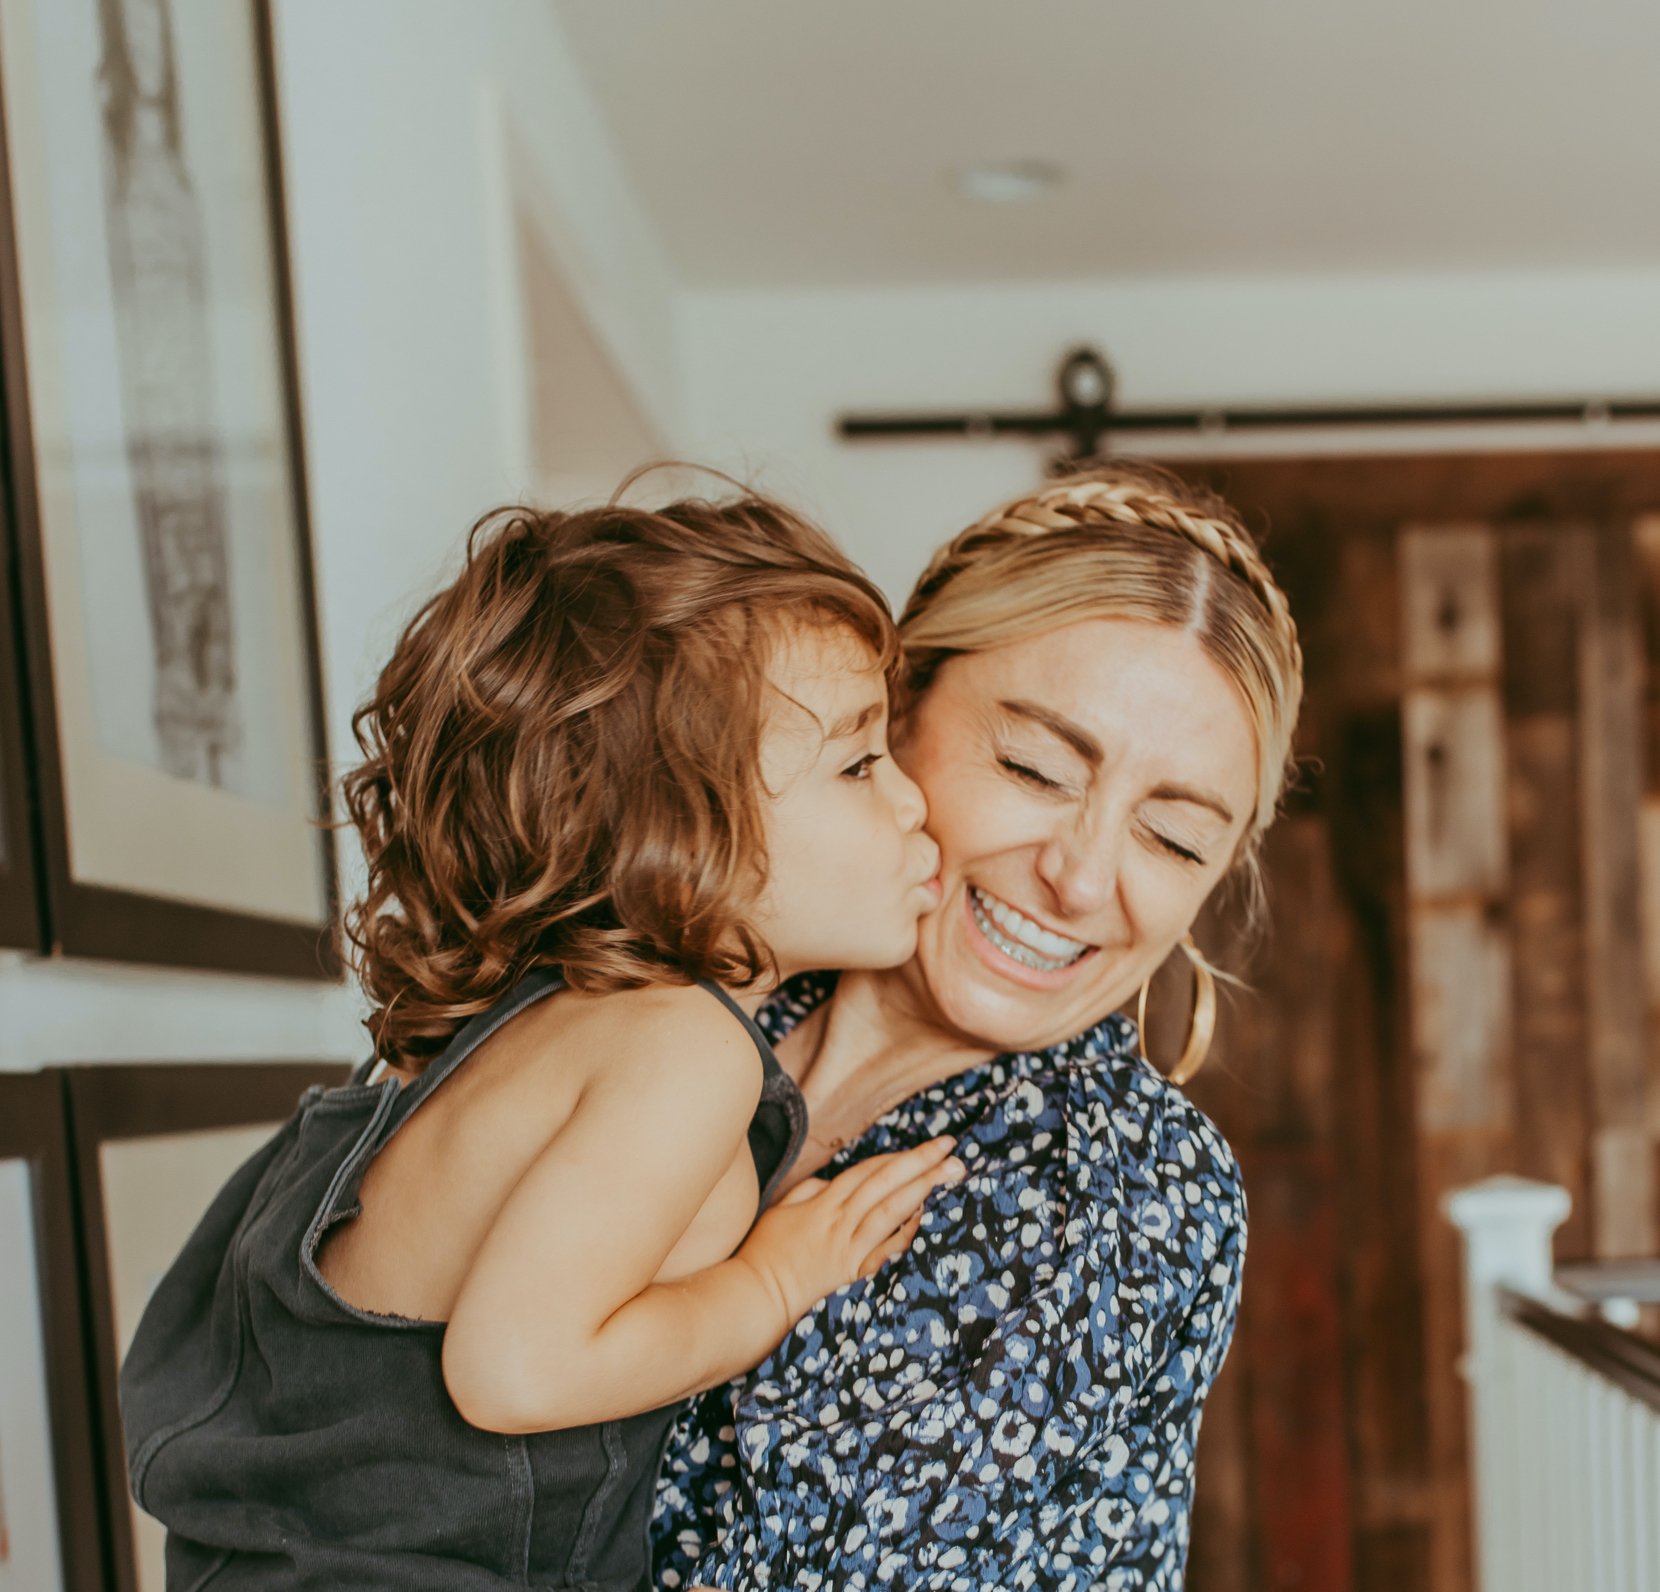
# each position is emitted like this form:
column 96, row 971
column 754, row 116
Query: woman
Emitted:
column 1104, row 683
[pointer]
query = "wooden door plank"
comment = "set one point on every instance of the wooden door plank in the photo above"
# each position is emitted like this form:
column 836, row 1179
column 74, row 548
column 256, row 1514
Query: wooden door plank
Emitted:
column 1450, row 622
column 1611, row 737
column 1461, row 983
column 1645, row 544
column 1222, row 1556
column 1457, row 870
column 1454, row 744
column 1545, row 574
column 1377, row 1143
column 1297, row 1411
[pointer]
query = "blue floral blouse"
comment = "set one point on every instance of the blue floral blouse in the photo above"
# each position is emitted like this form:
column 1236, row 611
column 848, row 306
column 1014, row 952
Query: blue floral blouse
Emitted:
column 1014, row 1403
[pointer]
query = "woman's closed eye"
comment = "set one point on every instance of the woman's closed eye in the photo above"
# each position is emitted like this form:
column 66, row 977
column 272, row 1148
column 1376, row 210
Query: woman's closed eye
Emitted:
column 1175, row 847
column 1031, row 776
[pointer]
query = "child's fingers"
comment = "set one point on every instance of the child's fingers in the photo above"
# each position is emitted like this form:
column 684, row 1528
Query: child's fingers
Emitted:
column 861, row 1186
column 902, row 1203
column 808, row 1188
column 891, row 1248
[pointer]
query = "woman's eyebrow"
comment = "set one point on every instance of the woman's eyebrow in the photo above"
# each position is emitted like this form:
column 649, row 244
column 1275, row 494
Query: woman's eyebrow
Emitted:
column 1200, row 798
column 1075, row 735
column 1088, row 748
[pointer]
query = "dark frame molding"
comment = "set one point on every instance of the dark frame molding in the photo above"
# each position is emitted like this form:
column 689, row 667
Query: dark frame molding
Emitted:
column 34, row 1128
column 23, row 923
column 115, row 1101
column 93, row 920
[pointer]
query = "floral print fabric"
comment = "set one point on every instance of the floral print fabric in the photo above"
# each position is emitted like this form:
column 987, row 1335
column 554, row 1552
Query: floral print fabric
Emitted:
column 1014, row 1403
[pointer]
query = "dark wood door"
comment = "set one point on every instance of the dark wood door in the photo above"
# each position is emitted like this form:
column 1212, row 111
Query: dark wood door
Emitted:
column 1456, row 980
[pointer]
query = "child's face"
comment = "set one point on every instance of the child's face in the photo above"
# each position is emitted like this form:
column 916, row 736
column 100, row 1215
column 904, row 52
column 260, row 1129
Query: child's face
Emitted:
column 851, row 869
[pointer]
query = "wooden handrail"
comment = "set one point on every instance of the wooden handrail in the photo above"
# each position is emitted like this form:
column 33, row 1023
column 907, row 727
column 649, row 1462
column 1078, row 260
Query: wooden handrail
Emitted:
column 1630, row 1362
column 1600, row 1280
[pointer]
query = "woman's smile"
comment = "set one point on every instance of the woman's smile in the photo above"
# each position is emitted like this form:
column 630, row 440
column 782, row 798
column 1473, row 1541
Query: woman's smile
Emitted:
column 1013, row 943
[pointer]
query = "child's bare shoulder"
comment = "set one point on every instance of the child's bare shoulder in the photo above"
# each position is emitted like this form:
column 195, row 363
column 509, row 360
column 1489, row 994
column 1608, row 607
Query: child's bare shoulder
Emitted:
column 662, row 1033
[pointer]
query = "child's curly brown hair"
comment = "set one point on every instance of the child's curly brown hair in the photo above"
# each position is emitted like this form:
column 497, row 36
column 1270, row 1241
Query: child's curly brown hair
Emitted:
column 561, row 758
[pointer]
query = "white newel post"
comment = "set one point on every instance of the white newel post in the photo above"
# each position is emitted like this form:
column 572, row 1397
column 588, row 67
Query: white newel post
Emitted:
column 1508, row 1224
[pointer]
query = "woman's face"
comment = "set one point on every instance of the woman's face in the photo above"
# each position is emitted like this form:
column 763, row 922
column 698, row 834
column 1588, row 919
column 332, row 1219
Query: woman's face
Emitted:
column 1088, row 789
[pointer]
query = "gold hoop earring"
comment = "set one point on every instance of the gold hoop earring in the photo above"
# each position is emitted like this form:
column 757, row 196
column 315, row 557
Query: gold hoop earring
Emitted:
column 1203, row 1027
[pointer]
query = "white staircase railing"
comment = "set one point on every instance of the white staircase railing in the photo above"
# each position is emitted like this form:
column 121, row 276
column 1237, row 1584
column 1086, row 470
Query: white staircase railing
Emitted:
column 1564, row 1402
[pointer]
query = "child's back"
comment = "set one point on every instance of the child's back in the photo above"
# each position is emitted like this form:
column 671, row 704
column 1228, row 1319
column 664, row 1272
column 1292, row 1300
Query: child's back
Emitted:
column 314, row 1444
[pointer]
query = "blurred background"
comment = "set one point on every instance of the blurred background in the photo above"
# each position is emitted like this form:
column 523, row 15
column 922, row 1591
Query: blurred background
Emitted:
column 424, row 256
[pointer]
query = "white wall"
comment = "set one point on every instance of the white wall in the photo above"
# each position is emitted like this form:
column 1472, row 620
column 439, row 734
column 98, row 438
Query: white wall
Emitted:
column 767, row 373
column 395, row 117
column 395, row 114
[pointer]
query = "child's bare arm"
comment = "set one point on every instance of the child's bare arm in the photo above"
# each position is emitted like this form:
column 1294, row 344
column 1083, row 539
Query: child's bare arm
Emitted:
column 559, row 1322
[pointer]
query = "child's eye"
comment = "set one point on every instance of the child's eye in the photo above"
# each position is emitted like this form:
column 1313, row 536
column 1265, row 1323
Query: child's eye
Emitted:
column 1030, row 775
column 862, row 768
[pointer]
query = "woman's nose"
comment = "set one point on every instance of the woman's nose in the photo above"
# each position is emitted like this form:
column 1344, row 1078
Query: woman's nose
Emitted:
column 1080, row 867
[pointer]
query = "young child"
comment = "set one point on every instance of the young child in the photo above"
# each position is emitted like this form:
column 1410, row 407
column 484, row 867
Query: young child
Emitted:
column 622, row 776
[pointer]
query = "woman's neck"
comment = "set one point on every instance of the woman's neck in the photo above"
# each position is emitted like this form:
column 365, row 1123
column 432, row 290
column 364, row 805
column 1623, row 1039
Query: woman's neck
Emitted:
column 870, row 1047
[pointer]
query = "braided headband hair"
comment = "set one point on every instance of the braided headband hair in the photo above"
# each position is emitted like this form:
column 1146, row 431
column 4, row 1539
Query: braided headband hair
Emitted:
column 1083, row 511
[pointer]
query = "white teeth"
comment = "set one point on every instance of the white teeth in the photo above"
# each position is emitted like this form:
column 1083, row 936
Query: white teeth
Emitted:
column 1030, row 934
column 1027, row 942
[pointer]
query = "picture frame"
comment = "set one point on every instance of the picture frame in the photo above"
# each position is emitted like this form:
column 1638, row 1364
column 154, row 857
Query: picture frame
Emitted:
column 50, row 1531
column 21, row 925
column 152, row 1145
column 156, row 490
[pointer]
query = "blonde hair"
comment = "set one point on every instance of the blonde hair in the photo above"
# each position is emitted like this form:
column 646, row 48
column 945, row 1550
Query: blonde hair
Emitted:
column 1121, row 542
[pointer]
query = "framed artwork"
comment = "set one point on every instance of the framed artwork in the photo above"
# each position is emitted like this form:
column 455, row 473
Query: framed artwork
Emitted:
column 153, row 1144
column 20, row 921
column 156, row 488
column 49, row 1527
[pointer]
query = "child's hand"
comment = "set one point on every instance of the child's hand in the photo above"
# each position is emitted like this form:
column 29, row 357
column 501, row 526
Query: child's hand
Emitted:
column 826, row 1233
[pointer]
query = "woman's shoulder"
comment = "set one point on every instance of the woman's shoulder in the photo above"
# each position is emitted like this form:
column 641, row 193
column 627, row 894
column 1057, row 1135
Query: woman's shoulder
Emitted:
column 1164, row 1216
column 1144, row 1150
column 1110, row 1091
column 1173, row 1137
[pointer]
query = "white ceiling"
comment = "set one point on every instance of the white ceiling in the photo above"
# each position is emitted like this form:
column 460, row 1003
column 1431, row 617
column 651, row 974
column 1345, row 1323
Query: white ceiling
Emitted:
column 808, row 142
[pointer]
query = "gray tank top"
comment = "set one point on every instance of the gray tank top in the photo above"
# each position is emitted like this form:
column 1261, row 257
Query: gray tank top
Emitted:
column 287, row 1439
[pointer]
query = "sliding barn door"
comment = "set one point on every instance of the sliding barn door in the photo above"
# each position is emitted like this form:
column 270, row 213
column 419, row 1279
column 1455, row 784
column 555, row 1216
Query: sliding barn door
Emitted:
column 1457, row 979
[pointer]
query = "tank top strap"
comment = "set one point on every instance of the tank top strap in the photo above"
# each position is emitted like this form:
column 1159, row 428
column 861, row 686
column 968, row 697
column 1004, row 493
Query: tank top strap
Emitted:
column 778, row 1129
column 536, row 984
column 769, row 1062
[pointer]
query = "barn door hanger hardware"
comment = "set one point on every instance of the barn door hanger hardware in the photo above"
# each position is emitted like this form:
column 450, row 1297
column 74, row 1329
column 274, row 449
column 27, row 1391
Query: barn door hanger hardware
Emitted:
column 1085, row 385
